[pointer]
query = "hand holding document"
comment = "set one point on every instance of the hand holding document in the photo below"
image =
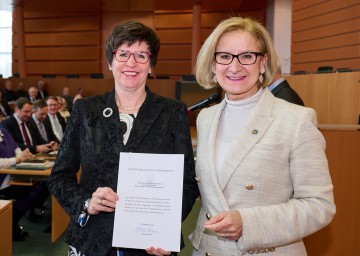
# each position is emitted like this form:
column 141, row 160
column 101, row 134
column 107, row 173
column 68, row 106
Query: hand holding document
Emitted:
column 149, row 210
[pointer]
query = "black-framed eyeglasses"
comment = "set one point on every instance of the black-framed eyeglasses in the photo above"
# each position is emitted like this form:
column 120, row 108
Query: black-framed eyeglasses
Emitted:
column 124, row 55
column 245, row 58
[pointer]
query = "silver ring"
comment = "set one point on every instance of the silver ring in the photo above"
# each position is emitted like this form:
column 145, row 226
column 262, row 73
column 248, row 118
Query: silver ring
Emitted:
column 100, row 201
column 224, row 235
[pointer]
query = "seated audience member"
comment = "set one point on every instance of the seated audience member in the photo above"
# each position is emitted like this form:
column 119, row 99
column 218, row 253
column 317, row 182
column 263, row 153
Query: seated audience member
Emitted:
column 280, row 88
column 8, row 92
column 63, row 110
column 42, row 93
column 25, row 197
column 22, row 131
column 45, row 132
column 5, row 110
column 33, row 94
column 20, row 92
column 68, row 98
column 54, row 118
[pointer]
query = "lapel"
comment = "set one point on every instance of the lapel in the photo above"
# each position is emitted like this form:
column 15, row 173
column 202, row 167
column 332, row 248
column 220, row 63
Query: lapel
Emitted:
column 108, row 112
column 147, row 115
column 280, row 86
column 259, row 122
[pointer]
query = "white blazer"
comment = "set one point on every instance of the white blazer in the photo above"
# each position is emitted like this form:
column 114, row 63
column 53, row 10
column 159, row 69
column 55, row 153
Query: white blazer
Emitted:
column 275, row 174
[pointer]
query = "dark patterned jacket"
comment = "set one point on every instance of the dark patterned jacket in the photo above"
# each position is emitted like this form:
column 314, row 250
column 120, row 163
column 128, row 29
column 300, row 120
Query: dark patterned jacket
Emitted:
column 94, row 142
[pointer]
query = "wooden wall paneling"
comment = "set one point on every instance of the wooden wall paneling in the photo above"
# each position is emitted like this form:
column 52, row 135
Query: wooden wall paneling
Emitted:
column 63, row 53
column 302, row 4
column 62, row 67
column 65, row 38
column 173, row 68
column 328, row 18
column 327, row 42
column 325, row 54
column 172, row 20
column 178, row 36
column 171, row 52
column 334, row 96
column 342, row 235
column 325, row 31
column 320, row 8
column 61, row 24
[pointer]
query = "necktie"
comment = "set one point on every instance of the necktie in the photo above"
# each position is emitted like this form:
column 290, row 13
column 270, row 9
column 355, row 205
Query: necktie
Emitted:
column 26, row 135
column 58, row 128
column 42, row 131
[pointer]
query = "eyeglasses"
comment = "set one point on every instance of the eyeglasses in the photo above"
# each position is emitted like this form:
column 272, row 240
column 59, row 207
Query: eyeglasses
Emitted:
column 124, row 56
column 245, row 58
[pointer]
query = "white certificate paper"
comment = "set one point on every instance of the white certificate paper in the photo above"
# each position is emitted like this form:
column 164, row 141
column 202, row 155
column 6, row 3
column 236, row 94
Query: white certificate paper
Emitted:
column 148, row 212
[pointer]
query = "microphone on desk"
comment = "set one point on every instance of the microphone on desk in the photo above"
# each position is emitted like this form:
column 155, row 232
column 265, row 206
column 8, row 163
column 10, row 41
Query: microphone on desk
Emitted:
column 205, row 102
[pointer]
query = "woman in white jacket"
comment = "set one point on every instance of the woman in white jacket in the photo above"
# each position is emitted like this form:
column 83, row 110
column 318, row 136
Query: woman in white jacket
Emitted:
column 261, row 165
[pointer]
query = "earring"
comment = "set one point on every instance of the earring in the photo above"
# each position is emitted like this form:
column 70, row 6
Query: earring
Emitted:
column 215, row 79
column 261, row 78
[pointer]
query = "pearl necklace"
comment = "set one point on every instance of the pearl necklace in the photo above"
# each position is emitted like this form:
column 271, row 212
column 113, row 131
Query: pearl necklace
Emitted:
column 130, row 108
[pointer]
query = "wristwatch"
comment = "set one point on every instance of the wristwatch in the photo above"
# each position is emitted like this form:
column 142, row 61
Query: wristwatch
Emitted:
column 86, row 205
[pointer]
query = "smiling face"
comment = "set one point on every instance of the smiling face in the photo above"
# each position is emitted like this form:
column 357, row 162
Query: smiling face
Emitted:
column 239, row 81
column 130, row 75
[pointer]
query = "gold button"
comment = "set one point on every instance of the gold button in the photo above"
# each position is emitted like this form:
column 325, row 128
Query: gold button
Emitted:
column 208, row 216
column 249, row 187
column 197, row 179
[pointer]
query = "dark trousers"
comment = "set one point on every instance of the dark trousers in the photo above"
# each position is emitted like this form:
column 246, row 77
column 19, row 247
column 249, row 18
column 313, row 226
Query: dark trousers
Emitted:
column 26, row 197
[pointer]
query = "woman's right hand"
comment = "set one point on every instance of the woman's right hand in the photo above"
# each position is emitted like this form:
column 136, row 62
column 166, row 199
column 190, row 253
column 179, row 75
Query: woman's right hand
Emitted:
column 102, row 200
column 25, row 155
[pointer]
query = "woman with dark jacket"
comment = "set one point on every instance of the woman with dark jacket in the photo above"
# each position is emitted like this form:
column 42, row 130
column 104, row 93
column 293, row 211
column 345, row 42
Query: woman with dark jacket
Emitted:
column 129, row 119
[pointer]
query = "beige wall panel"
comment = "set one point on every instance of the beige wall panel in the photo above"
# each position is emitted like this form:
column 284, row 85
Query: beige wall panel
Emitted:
column 173, row 67
column 325, row 31
column 312, row 66
column 321, row 8
column 56, row 39
column 329, row 54
column 63, row 53
column 62, row 24
column 173, row 20
column 328, row 18
column 330, row 42
column 171, row 52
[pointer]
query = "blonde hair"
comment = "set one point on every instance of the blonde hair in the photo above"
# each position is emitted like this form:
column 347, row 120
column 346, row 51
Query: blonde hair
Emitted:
column 205, row 59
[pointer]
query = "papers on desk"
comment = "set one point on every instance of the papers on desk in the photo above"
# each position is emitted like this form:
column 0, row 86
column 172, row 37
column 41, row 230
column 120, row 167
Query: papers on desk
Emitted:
column 35, row 165
column 148, row 212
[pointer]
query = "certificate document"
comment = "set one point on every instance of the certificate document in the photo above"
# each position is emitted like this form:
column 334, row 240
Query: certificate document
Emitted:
column 148, row 212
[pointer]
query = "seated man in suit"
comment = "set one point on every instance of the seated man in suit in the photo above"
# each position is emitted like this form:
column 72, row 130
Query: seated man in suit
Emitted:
column 280, row 88
column 33, row 94
column 40, row 111
column 54, row 119
column 22, row 131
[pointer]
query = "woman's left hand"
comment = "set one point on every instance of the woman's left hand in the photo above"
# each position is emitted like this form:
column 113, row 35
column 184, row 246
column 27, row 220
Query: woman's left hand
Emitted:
column 227, row 225
column 157, row 251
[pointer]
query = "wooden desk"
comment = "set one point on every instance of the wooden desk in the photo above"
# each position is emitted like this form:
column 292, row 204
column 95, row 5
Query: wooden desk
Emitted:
column 59, row 219
column 6, row 227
